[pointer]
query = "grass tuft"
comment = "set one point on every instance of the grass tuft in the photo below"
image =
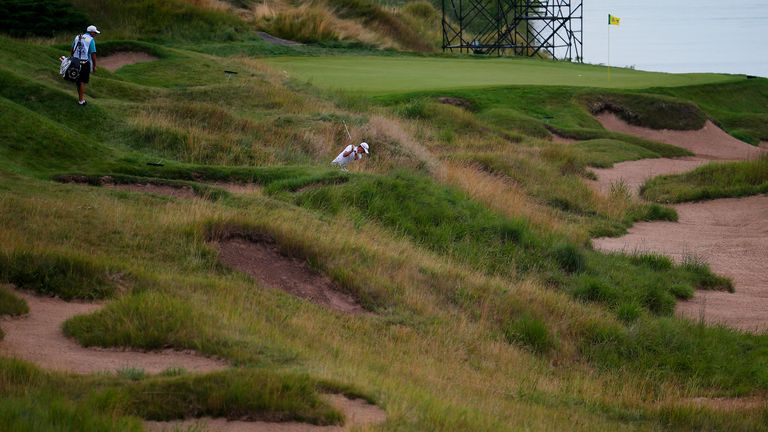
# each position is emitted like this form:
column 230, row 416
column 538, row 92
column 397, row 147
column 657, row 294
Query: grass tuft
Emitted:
column 531, row 333
column 10, row 304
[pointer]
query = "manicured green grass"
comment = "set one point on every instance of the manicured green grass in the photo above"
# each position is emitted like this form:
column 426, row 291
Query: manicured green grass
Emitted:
column 376, row 75
column 603, row 153
column 716, row 180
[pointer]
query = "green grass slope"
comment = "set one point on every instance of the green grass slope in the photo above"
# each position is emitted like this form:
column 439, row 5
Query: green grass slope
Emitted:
column 465, row 233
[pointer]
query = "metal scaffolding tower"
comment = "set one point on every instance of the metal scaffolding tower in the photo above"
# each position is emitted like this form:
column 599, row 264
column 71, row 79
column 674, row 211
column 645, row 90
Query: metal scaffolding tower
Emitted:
column 544, row 28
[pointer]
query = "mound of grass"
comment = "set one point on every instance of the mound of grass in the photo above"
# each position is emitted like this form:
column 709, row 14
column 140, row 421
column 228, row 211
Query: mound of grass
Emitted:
column 655, row 112
column 146, row 320
column 603, row 153
column 29, row 141
column 237, row 394
column 10, row 304
column 716, row 180
column 65, row 276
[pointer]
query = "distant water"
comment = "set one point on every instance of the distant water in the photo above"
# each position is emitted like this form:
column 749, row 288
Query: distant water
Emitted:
column 680, row 35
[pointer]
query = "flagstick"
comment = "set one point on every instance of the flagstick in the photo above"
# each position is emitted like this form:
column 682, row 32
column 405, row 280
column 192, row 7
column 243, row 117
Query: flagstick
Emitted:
column 609, row 52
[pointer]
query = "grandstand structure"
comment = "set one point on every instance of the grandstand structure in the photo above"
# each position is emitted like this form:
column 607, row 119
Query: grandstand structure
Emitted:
column 536, row 28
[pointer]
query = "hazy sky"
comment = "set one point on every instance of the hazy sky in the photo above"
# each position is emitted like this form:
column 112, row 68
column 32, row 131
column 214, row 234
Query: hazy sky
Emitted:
column 680, row 35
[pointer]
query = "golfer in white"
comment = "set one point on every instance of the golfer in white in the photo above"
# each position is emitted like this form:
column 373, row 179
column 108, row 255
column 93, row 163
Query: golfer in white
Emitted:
column 349, row 154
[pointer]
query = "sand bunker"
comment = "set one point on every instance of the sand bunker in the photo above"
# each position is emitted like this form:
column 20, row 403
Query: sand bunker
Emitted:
column 635, row 173
column 563, row 140
column 709, row 142
column 117, row 60
column 731, row 235
column 38, row 338
column 358, row 413
column 266, row 37
column 264, row 262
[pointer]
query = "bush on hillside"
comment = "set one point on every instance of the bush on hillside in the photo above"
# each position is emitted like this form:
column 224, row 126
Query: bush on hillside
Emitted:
column 26, row 18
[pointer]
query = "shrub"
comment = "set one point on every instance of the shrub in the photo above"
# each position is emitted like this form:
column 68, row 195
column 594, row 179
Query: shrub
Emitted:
column 147, row 320
column 24, row 18
column 530, row 332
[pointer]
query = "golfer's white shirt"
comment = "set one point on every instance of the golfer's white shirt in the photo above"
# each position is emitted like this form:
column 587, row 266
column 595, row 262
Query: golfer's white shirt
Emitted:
column 343, row 161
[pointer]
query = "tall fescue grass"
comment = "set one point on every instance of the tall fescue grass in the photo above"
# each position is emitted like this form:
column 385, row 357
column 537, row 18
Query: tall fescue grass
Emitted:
column 67, row 276
column 716, row 180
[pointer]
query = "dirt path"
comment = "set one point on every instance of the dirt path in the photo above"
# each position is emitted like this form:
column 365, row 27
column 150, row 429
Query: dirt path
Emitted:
column 731, row 235
column 117, row 60
column 38, row 338
column 264, row 262
column 358, row 413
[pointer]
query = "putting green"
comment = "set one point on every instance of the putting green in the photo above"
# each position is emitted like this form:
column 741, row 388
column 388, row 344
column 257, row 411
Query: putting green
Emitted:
column 404, row 74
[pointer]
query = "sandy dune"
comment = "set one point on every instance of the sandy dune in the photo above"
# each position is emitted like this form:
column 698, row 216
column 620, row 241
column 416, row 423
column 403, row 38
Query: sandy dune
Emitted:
column 38, row 338
column 635, row 173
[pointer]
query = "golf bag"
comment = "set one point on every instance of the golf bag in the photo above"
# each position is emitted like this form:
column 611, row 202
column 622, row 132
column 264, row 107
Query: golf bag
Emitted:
column 70, row 69
column 71, row 66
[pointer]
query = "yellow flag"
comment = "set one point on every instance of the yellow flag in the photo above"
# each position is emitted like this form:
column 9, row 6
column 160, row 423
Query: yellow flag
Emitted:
column 613, row 20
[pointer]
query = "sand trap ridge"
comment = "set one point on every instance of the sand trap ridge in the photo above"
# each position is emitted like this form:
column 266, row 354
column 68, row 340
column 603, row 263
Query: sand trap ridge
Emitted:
column 709, row 142
column 358, row 413
column 117, row 60
column 264, row 262
column 38, row 338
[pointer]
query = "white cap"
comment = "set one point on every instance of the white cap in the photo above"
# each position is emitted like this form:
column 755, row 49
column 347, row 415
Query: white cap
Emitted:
column 92, row 29
column 365, row 147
